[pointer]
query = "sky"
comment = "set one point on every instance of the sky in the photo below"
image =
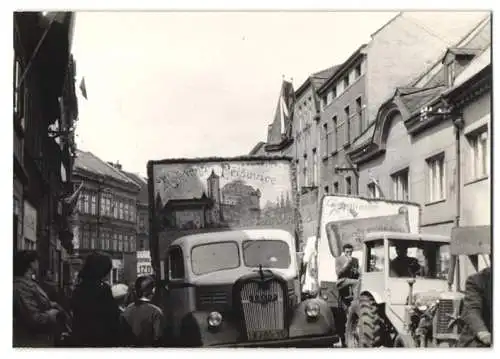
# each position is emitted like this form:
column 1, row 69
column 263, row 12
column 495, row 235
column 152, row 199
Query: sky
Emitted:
column 198, row 84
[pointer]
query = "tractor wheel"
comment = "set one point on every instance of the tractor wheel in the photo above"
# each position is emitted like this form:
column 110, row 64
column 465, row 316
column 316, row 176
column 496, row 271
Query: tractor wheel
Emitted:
column 370, row 323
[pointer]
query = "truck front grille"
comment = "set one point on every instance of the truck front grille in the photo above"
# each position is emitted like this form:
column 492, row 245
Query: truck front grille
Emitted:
column 264, row 310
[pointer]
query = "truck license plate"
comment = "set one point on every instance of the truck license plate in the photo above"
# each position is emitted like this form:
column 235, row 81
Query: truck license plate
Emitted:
column 266, row 334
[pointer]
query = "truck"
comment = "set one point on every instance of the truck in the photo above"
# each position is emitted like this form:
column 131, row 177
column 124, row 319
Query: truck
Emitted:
column 225, row 249
column 381, row 232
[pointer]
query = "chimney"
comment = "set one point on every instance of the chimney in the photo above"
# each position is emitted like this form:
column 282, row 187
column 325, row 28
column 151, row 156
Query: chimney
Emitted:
column 116, row 165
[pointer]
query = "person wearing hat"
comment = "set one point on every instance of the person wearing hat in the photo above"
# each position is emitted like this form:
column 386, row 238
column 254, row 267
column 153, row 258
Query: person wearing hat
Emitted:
column 145, row 319
column 96, row 316
column 403, row 265
column 120, row 292
column 36, row 319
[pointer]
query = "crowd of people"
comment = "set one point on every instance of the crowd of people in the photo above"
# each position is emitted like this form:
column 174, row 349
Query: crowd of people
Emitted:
column 95, row 315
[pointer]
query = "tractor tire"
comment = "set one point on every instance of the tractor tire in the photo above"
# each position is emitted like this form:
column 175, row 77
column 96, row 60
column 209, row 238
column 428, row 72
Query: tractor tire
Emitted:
column 371, row 324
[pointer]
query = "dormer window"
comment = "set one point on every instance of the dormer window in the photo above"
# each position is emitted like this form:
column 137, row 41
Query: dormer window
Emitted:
column 455, row 60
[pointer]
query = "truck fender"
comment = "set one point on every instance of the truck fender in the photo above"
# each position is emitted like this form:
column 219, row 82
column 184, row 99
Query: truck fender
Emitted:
column 300, row 325
column 196, row 333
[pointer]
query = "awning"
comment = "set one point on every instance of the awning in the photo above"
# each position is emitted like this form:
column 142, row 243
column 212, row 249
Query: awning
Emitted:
column 470, row 240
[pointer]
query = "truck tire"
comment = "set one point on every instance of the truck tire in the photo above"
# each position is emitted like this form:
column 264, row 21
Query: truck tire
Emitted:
column 370, row 323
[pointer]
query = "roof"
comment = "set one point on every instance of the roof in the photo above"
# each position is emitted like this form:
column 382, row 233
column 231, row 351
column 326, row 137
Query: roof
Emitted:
column 414, row 100
column 428, row 237
column 320, row 77
column 340, row 68
column 257, row 148
column 89, row 162
column 143, row 196
column 232, row 235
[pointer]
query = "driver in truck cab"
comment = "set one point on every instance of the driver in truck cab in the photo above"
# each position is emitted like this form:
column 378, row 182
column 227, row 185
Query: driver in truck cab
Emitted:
column 403, row 265
column 347, row 268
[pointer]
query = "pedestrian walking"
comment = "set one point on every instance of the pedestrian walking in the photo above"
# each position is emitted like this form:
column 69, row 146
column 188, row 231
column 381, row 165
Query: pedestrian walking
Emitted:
column 477, row 311
column 96, row 315
column 145, row 319
column 35, row 316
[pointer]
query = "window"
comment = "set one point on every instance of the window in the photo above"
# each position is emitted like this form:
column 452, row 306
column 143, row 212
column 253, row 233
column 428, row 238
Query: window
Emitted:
column 125, row 243
column 93, row 204
column 315, row 167
column 359, row 112
column 373, row 190
column 479, row 158
column 335, row 187
column 141, row 244
column 213, row 257
column 115, row 242
column 348, row 185
column 120, row 242
column 347, row 125
column 357, row 71
column 436, row 178
column 125, row 211
column 326, row 140
column 85, row 237
column 324, row 101
column 115, row 208
column 450, row 73
column 121, row 209
column 86, row 205
column 334, row 93
column 326, row 190
column 268, row 253
column 400, row 185
column 346, row 81
column 132, row 211
column 18, row 94
column 93, row 239
column 175, row 263
column 421, row 259
column 335, row 133
column 132, row 243
column 305, row 174
column 375, row 256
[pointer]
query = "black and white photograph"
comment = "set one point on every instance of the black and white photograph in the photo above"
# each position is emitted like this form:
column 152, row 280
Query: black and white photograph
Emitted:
column 242, row 178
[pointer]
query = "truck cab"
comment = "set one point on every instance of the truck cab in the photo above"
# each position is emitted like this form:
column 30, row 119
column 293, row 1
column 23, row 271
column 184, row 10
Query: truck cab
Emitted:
column 240, row 288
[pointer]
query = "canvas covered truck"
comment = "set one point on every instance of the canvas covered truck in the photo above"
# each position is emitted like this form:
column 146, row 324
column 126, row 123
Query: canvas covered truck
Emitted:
column 225, row 236
column 402, row 270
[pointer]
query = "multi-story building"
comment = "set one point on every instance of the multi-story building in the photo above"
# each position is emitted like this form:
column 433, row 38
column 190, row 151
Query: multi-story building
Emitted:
column 44, row 113
column 106, row 216
column 399, row 51
column 411, row 151
column 142, row 212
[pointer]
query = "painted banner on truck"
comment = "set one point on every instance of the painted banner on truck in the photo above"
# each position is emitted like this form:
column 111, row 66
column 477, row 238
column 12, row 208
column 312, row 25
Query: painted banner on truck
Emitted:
column 346, row 220
column 215, row 195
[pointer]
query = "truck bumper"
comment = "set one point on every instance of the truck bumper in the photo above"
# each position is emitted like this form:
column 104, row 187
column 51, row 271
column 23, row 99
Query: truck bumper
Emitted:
column 326, row 341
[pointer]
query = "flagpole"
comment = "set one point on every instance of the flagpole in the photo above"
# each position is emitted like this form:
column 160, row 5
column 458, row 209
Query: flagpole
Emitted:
column 35, row 52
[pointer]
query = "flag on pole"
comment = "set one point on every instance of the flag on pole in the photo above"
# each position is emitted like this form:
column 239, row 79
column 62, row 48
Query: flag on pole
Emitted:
column 71, row 201
column 83, row 88
column 285, row 108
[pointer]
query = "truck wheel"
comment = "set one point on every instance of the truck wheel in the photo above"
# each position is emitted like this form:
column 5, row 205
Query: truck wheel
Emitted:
column 370, row 323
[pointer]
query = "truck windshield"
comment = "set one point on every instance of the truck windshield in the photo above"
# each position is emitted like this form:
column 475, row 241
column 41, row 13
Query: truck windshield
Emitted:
column 268, row 253
column 213, row 257
column 423, row 259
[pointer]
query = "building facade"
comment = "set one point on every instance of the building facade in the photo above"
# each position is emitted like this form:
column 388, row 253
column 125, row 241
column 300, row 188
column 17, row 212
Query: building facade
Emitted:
column 106, row 216
column 142, row 237
column 410, row 153
column 45, row 112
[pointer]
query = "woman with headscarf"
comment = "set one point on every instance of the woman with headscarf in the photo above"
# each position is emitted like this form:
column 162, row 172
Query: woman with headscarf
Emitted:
column 96, row 316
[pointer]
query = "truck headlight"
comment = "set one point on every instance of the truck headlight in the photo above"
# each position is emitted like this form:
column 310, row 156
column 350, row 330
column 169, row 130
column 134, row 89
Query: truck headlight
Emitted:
column 214, row 319
column 312, row 310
